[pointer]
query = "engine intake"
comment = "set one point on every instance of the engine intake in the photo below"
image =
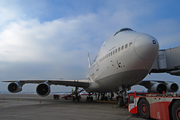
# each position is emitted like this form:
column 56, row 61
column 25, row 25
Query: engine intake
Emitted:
column 158, row 88
column 14, row 87
column 43, row 89
column 172, row 87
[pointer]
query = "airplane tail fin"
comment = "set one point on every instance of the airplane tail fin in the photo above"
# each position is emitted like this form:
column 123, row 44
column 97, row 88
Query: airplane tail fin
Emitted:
column 89, row 61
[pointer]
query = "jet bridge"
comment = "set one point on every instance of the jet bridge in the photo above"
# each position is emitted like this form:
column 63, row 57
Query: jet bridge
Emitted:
column 168, row 60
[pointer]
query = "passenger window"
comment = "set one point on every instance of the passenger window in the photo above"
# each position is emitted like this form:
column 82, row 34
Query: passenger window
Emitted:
column 122, row 47
column 116, row 51
column 130, row 44
column 119, row 49
column 126, row 45
column 111, row 53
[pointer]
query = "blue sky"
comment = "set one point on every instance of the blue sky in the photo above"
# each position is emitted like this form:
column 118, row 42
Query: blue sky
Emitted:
column 50, row 39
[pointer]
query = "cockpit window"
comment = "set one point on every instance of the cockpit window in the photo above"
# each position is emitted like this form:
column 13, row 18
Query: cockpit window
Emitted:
column 122, row 30
column 125, row 29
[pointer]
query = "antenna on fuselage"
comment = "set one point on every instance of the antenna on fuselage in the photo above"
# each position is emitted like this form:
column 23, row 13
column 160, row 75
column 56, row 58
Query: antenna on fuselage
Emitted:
column 89, row 61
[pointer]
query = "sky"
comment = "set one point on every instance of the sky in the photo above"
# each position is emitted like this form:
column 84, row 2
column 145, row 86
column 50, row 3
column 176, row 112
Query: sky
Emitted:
column 50, row 39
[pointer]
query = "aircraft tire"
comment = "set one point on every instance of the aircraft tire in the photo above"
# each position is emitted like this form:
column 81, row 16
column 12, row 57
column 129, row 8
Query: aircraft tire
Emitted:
column 176, row 110
column 74, row 98
column 106, row 98
column 78, row 98
column 120, row 102
column 91, row 98
column 102, row 98
column 144, row 108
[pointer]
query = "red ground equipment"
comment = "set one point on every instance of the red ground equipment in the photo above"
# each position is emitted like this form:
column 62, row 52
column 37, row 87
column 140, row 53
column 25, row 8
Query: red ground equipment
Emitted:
column 71, row 97
column 156, row 106
column 56, row 97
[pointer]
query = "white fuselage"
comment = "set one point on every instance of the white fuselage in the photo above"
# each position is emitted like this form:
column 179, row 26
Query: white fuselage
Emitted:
column 124, row 59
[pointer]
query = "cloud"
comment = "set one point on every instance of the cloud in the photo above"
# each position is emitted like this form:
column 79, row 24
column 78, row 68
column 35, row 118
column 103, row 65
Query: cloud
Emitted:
column 62, row 44
column 166, row 31
column 31, row 40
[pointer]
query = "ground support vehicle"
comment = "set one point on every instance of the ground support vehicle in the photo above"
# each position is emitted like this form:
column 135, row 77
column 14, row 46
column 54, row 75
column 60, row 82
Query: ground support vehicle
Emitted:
column 74, row 96
column 56, row 97
column 156, row 106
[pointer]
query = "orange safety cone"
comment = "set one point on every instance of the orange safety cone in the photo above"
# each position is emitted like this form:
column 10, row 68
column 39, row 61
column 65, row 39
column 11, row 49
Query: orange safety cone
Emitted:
column 3, row 98
column 40, row 101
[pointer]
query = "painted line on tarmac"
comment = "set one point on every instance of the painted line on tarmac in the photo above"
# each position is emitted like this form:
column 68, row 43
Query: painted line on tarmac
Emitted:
column 10, row 103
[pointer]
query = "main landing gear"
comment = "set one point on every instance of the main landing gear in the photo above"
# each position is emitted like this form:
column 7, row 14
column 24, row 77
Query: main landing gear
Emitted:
column 103, row 96
column 89, row 97
column 76, row 97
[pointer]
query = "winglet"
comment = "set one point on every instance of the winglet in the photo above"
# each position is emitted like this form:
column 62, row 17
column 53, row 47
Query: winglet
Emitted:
column 89, row 61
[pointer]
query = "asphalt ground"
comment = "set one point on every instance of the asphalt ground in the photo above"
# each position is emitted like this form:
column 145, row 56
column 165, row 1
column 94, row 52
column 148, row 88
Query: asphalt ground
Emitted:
column 34, row 107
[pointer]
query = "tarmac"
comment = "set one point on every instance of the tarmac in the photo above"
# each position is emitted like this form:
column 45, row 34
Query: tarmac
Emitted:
column 32, row 106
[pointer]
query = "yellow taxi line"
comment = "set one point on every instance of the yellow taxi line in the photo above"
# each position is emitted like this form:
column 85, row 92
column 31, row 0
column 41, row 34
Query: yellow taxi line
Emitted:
column 10, row 103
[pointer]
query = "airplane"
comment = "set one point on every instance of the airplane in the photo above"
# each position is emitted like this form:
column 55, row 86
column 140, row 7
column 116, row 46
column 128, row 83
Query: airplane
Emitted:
column 124, row 59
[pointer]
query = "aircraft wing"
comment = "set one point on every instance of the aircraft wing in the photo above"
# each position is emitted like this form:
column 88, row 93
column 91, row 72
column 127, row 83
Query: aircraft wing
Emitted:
column 76, row 83
column 43, row 89
column 159, row 86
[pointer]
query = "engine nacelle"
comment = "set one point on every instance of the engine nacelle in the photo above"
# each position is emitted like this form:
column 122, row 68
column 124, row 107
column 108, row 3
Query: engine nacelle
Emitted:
column 43, row 89
column 14, row 87
column 158, row 88
column 172, row 87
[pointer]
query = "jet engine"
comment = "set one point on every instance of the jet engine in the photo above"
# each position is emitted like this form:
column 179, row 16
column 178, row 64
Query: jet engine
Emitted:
column 43, row 89
column 172, row 87
column 14, row 87
column 158, row 88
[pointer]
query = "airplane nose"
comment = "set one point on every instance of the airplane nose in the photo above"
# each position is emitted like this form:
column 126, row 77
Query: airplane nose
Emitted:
column 146, row 47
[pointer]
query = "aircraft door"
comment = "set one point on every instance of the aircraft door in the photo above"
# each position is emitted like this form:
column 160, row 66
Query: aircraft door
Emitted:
column 97, row 66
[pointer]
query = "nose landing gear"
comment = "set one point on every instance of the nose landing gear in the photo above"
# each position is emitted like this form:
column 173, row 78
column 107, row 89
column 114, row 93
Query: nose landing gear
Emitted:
column 122, row 96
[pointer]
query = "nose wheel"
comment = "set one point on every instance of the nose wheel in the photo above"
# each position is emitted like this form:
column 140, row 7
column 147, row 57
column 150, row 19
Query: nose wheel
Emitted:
column 120, row 102
column 122, row 96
